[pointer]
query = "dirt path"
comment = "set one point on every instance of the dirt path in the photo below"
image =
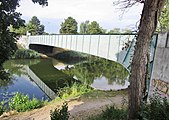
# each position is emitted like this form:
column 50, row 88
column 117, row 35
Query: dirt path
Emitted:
column 80, row 109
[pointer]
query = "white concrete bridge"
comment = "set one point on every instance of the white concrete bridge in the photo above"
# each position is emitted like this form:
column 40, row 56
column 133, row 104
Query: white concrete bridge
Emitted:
column 105, row 46
column 110, row 47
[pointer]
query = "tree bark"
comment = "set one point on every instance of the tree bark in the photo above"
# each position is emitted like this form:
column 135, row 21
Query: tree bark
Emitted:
column 147, row 27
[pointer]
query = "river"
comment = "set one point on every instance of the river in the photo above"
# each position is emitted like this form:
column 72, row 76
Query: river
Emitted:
column 42, row 78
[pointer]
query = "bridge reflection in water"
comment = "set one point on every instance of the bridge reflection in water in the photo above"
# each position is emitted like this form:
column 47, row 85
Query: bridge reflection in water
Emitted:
column 50, row 93
column 48, row 78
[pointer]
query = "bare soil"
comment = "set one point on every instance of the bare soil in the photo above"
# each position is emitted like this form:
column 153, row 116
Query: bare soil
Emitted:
column 80, row 109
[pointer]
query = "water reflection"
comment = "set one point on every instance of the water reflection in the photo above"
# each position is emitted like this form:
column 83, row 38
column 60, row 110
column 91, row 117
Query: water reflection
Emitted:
column 42, row 78
column 20, row 80
column 96, row 71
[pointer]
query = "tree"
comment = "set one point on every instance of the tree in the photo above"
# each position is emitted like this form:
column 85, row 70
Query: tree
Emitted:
column 127, row 30
column 33, row 26
column 94, row 28
column 9, row 17
column 38, row 28
column 35, row 21
column 84, row 27
column 69, row 26
column 148, row 23
column 20, row 31
column 41, row 29
column 164, row 19
column 115, row 30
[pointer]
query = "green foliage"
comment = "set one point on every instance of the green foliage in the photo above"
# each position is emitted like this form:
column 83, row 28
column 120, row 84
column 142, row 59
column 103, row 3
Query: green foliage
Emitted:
column 87, row 72
column 127, row 30
column 158, row 109
column 22, row 103
column 41, row 2
column 84, row 27
column 164, row 18
column 26, row 54
column 115, row 30
column 91, row 28
column 94, row 28
column 74, row 91
column 2, row 109
column 67, row 56
column 112, row 113
column 60, row 114
column 69, row 26
column 34, row 27
column 37, row 28
column 9, row 17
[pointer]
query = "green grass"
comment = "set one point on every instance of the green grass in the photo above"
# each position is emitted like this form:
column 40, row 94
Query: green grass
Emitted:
column 76, row 90
column 95, row 94
column 156, row 109
column 111, row 113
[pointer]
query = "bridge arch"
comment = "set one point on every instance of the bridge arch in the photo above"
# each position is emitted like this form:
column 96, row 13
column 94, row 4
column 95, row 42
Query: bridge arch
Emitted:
column 105, row 46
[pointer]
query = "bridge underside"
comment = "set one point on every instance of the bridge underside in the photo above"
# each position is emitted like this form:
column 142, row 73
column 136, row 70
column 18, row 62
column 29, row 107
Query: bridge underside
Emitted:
column 42, row 48
column 105, row 46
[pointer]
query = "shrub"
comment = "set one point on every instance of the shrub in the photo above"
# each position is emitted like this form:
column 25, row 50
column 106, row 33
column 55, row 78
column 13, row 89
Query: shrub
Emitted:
column 22, row 103
column 2, row 109
column 26, row 54
column 67, row 57
column 74, row 91
column 157, row 109
column 60, row 114
column 111, row 113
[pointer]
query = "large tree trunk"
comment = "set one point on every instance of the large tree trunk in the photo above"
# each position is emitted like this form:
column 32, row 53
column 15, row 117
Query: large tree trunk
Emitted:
column 148, row 23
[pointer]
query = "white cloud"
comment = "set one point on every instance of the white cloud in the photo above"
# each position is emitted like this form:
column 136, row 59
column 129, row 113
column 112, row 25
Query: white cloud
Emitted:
column 102, row 11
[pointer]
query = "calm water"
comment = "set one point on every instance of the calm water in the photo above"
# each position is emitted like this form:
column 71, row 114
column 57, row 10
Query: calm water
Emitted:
column 42, row 78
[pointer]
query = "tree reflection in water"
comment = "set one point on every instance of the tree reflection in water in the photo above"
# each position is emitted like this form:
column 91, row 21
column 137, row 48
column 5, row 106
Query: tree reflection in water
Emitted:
column 95, row 68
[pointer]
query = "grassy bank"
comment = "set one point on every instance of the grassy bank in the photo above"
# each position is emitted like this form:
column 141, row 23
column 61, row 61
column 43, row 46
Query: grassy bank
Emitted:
column 21, row 103
column 26, row 54
column 68, row 56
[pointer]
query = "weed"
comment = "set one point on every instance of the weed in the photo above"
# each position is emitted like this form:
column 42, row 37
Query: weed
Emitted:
column 111, row 113
column 60, row 114
column 157, row 109
column 73, row 91
column 2, row 109
column 22, row 103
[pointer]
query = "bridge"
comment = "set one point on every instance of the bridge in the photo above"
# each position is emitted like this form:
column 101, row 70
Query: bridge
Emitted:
column 110, row 47
column 105, row 46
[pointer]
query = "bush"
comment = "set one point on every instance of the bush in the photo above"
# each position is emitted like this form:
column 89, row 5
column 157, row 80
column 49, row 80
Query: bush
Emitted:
column 22, row 103
column 2, row 109
column 157, row 109
column 60, row 114
column 74, row 91
column 111, row 113
column 26, row 54
column 67, row 57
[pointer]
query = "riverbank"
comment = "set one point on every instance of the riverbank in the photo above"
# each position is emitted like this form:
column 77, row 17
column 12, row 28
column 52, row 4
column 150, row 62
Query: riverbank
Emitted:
column 83, row 107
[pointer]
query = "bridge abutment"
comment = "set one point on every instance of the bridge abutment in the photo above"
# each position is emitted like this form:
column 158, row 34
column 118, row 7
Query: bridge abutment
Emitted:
column 160, row 73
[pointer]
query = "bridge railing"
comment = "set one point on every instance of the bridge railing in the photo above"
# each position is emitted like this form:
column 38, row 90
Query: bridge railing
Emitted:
column 105, row 46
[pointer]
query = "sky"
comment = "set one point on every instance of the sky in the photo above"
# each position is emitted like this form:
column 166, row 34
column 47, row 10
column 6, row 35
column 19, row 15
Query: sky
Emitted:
column 102, row 11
